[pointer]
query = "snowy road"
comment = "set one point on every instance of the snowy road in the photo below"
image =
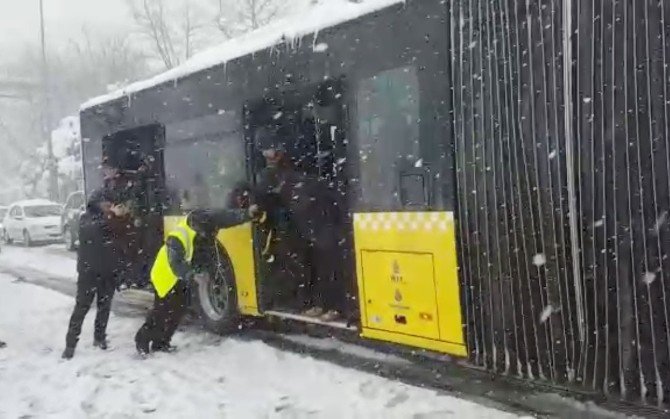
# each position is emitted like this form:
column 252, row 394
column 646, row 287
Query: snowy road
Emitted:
column 52, row 259
column 209, row 377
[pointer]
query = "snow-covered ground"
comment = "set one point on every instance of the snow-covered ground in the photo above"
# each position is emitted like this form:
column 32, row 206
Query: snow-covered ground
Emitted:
column 208, row 377
column 52, row 259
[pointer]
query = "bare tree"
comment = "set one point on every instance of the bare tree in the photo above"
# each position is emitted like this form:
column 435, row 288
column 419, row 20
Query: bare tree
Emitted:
column 78, row 71
column 172, row 28
column 93, row 65
column 240, row 16
column 31, row 172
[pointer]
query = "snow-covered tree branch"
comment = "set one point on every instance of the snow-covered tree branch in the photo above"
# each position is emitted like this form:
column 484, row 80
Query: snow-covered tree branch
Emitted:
column 66, row 141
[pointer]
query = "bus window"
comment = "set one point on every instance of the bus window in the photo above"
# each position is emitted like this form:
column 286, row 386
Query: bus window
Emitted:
column 203, row 173
column 388, row 134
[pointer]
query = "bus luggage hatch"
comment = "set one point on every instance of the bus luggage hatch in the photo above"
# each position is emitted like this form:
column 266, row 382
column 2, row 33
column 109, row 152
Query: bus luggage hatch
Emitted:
column 400, row 293
column 407, row 274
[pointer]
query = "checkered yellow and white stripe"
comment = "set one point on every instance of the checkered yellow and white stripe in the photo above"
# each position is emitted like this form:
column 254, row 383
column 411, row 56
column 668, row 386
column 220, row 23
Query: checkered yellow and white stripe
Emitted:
column 404, row 221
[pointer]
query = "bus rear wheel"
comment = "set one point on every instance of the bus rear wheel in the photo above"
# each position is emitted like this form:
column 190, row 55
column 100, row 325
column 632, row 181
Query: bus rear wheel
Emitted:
column 215, row 295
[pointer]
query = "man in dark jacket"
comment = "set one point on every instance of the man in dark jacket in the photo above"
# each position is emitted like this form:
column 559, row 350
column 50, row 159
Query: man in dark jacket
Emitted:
column 173, row 272
column 306, row 206
column 96, row 265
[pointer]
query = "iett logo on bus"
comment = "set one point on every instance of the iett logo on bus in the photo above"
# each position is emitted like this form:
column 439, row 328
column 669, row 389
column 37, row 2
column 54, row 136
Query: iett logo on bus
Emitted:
column 396, row 276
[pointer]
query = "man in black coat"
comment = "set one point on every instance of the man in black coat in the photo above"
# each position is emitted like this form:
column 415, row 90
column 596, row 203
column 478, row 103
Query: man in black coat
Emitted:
column 306, row 207
column 97, row 261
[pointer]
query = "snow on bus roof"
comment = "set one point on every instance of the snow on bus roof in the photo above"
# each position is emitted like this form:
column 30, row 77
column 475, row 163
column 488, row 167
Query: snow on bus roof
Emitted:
column 289, row 28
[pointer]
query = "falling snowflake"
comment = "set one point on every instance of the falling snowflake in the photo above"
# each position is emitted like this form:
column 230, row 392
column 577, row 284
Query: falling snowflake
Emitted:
column 599, row 223
column 539, row 259
column 548, row 310
column 649, row 277
column 587, row 100
column 320, row 47
column 660, row 221
column 552, row 155
column 277, row 115
column 419, row 163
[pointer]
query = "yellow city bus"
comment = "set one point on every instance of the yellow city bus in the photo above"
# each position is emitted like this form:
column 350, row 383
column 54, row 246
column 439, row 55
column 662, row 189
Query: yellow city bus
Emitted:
column 487, row 203
column 397, row 255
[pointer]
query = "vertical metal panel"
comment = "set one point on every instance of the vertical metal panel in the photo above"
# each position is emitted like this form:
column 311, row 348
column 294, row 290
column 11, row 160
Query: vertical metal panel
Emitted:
column 563, row 189
column 515, row 243
column 621, row 92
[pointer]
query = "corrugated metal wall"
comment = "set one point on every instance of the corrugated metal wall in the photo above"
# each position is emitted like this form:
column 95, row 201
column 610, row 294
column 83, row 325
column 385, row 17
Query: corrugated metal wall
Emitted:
column 621, row 108
column 563, row 193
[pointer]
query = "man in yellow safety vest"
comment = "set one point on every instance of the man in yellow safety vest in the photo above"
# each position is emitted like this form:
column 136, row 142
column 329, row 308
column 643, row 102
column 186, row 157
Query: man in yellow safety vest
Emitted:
column 172, row 273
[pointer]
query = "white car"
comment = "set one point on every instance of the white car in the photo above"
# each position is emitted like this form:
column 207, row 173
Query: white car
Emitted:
column 32, row 221
column 3, row 212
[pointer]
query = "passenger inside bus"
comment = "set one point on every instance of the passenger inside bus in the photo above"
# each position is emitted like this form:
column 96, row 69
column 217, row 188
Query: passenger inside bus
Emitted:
column 283, row 248
column 198, row 197
column 239, row 197
column 299, row 190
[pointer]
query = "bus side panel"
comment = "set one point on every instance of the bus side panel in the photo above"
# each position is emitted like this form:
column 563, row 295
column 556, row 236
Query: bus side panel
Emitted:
column 408, row 279
column 238, row 243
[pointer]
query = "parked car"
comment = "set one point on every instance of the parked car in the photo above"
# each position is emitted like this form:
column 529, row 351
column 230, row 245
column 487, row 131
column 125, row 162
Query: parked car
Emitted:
column 69, row 220
column 3, row 212
column 32, row 221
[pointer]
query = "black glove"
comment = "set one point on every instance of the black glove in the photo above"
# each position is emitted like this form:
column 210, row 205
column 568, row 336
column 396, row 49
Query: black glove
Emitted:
column 255, row 213
column 188, row 278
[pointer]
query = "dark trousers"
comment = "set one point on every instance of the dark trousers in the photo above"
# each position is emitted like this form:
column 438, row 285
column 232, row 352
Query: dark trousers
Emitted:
column 89, row 286
column 163, row 319
column 307, row 273
column 325, row 286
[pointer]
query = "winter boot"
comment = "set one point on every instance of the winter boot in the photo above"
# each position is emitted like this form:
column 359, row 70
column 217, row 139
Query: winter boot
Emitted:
column 68, row 353
column 163, row 347
column 313, row 312
column 142, row 348
column 100, row 343
column 330, row 316
column 142, row 343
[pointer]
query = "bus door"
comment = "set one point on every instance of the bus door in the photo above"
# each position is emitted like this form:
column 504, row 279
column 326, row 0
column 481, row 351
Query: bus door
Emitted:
column 308, row 206
column 272, row 123
column 137, row 154
column 330, row 118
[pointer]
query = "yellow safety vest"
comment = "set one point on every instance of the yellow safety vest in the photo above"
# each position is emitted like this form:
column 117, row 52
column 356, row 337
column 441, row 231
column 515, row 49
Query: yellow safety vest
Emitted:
column 162, row 277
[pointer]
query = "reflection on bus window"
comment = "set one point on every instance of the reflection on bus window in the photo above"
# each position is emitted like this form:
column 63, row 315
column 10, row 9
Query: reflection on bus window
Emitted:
column 388, row 132
column 203, row 173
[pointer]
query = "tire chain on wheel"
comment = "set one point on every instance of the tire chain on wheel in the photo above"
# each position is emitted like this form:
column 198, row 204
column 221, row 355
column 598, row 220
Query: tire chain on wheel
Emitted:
column 229, row 316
